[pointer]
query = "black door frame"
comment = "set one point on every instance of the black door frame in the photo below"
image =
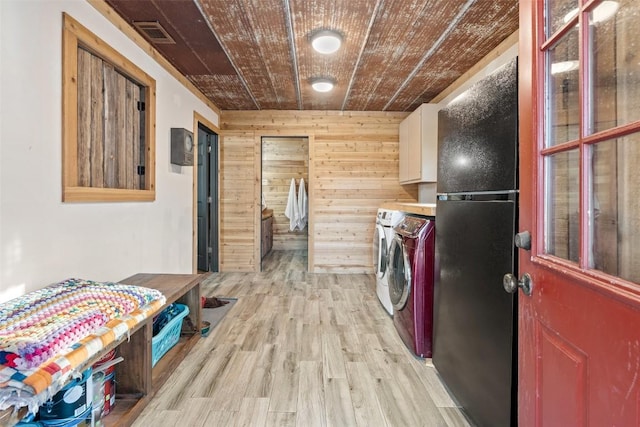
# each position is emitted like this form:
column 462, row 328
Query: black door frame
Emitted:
column 207, row 197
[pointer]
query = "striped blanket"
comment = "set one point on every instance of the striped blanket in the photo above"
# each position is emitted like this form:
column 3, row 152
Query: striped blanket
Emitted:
column 46, row 334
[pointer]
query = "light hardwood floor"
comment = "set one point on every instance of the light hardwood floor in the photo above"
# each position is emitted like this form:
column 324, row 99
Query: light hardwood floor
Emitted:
column 301, row 349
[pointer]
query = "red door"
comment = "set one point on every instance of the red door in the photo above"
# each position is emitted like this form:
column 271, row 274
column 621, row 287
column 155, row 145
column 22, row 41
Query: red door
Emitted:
column 579, row 330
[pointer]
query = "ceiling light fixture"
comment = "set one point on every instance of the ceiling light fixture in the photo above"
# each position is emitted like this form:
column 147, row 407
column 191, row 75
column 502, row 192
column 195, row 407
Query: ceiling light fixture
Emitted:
column 322, row 85
column 326, row 41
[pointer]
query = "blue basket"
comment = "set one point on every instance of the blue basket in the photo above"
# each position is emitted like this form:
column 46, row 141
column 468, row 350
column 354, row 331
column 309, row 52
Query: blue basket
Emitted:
column 168, row 336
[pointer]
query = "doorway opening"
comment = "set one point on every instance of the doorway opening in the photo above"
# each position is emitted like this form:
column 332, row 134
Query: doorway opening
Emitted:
column 285, row 209
column 207, row 200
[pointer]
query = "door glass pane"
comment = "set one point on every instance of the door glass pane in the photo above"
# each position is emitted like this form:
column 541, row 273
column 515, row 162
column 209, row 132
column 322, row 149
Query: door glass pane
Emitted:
column 559, row 13
column 563, row 107
column 561, row 205
column 615, row 80
column 616, row 207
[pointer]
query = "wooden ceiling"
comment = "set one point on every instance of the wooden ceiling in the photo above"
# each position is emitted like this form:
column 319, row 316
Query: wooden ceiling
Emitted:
column 257, row 55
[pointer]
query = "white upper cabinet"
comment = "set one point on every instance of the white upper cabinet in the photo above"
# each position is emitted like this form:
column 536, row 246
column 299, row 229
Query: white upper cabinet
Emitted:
column 419, row 145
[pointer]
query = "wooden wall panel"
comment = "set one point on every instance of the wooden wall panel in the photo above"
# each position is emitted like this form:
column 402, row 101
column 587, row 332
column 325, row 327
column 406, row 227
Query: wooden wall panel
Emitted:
column 353, row 169
column 108, row 156
column 283, row 159
column 238, row 207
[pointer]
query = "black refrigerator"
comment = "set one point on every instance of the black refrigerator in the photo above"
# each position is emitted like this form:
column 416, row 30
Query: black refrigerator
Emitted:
column 475, row 319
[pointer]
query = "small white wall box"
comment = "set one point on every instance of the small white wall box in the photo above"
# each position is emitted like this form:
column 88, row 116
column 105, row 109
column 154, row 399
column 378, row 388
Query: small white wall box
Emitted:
column 181, row 147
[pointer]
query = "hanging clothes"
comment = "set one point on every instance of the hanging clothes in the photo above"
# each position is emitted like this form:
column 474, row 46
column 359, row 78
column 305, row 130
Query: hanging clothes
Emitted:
column 302, row 206
column 291, row 211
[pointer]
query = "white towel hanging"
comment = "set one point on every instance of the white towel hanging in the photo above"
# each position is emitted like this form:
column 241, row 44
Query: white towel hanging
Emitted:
column 302, row 206
column 291, row 211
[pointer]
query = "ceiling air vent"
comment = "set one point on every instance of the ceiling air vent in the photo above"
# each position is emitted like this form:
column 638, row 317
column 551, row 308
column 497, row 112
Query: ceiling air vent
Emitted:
column 154, row 32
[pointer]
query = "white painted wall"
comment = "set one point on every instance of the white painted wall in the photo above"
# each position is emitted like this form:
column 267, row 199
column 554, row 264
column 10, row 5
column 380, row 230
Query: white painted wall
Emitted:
column 43, row 240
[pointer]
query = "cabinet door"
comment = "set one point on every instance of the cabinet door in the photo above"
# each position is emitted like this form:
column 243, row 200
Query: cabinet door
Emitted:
column 429, row 142
column 403, row 165
column 414, row 153
column 419, row 145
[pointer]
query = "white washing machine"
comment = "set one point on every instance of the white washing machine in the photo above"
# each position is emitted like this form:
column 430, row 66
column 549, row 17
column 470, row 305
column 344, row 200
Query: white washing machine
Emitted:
column 383, row 235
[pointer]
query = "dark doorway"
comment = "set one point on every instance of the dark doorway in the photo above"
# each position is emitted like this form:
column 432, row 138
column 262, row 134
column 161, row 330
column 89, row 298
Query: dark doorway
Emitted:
column 207, row 199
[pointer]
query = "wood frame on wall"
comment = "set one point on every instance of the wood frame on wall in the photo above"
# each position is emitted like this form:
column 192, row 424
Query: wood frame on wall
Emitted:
column 73, row 36
column 283, row 158
column 258, row 194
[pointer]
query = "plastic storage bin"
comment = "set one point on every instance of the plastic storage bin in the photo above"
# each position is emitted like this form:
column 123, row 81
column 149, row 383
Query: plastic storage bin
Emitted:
column 168, row 336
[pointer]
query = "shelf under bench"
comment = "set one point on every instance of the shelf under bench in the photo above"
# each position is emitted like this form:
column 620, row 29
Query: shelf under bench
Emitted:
column 137, row 380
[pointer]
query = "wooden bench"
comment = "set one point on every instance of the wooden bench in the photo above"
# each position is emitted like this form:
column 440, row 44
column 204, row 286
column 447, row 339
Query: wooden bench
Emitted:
column 137, row 381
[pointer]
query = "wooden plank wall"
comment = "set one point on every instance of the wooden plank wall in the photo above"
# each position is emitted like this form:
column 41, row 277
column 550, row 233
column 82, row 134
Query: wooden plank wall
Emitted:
column 283, row 159
column 353, row 169
column 239, row 169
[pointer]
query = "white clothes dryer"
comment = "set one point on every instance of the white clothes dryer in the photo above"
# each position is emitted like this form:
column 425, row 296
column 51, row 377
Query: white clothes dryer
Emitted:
column 383, row 235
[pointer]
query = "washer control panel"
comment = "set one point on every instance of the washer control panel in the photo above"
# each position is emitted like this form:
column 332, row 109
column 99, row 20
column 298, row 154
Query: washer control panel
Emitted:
column 411, row 225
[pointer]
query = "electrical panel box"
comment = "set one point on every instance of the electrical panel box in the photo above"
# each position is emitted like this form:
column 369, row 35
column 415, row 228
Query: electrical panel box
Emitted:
column 181, row 147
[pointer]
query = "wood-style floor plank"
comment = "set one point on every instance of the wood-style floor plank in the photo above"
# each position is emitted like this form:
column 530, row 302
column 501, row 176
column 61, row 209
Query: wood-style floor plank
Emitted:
column 310, row 410
column 253, row 412
column 332, row 356
column 281, row 419
column 216, row 362
column 261, row 381
column 284, row 395
column 234, row 381
column 363, row 397
column 198, row 413
column 159, row 418
column 338, row 405
column 300, row 349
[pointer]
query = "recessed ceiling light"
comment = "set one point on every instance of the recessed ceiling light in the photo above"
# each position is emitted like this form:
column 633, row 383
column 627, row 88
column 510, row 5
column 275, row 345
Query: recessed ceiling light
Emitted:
column 322, row 85
column 564, row 66
column 326, row 41
column 605, row 11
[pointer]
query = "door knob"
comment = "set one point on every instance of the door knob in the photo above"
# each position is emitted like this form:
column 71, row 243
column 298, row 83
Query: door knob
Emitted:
column 511, row 283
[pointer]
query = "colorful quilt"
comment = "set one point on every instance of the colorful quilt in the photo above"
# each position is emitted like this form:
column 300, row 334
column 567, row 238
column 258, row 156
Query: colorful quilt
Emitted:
column 46, row 334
